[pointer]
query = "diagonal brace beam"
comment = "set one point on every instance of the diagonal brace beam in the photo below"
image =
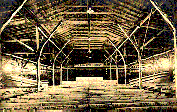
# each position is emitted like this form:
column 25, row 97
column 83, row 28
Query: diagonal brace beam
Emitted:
column 49, row 38
column 121, row 57
column 142, row 22
column 67, row 56
column 55, row 60
column 111, row 56
column 27, row 46
column 12, row 16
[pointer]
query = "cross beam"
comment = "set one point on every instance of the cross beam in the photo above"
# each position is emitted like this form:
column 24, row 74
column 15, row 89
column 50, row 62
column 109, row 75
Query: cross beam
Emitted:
column 55, row 60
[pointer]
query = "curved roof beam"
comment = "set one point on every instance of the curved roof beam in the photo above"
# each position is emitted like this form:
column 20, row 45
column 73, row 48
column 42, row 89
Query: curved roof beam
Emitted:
column 18, row 9
column 121, row 57
column 40, row 53
column 55, row 60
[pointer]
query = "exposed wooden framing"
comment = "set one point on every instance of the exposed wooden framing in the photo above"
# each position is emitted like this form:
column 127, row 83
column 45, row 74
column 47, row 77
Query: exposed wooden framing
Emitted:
column 38, row 74
column 174, row 34
column 151, row 27
column 53, row 66
column 86, row 42
column 139, row 57
column 41, row 50
column 106, row 68
column 110, row 70
column 111, row 56
column 67, row 56
column 90, row 48
column 37, row 38
column 130, row 11
column 85, row 6
column 123, row 42
column 117, row 75
column 0, row 60
column 67, row 69
column 107, row 13
column 22, row 40
column 124, row 22
column 125, row 56
column 27, row 46
column 102, row 32
column 91, row 45
column 125, row 68
column 18, row 22
column 142, row 22
column 101, row 35
column 150, row 40
column 86, row 38
column 14, row 13
column 123, row 4
column 123, row 17
column 150, row 57
column 146, row 30
column 27, row 53
column 51, row 35
column 61, row 75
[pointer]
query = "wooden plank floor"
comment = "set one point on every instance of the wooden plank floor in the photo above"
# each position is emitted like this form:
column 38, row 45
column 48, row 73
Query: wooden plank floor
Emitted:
column 90, row 94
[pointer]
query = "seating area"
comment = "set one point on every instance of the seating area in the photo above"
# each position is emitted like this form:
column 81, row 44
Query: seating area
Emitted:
column 92, row 92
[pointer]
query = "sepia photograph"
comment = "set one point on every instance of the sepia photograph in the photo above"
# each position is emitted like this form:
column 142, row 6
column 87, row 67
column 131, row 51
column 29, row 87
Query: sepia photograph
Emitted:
column 88, row 56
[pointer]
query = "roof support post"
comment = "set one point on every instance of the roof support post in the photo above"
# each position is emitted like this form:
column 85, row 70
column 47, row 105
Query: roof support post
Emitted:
column 0, row 61
column 61, row 74
column 38, row 74
column 110, row 70
column 139, row 56
column 38, row 65
column 55, row 60
column 174, row 34
column 121, row 57
column 37, row 38
column 40, row 53
column 49, row 38
column 67, row 70
column 117, row 69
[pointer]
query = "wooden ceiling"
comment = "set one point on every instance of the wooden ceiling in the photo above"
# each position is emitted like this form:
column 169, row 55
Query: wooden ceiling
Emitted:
column 70, row 21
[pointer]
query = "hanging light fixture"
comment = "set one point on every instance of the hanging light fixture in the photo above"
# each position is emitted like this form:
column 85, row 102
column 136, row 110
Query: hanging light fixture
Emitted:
column 90, row 11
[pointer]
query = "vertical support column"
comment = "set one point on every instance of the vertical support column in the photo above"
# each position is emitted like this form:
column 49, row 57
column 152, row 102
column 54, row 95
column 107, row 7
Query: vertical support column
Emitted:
column 140, row 71
column 0, row 63
column 61, row 74
column 174, row 33
column 38, row 63
column 67, row 74
column 0, row 57
column 125, row 62
column 53, row 69
column 67, row 70
column 53, row 76
column 37, row 38
column 38, row 74
column 110, row 69
column 117, row 69
column 106, row 68
column 21, row 73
